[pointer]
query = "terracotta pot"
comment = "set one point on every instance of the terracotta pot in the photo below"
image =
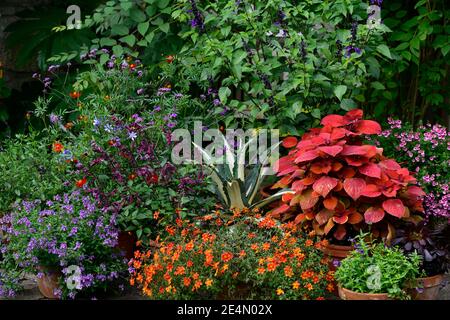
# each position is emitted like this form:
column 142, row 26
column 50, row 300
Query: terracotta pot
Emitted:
column 346, row 294
column 428, row 288
column 334, row 252
column 49, row 283
column 127, row 244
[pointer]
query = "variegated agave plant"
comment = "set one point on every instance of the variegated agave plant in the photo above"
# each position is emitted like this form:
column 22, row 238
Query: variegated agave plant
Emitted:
column 238, row 183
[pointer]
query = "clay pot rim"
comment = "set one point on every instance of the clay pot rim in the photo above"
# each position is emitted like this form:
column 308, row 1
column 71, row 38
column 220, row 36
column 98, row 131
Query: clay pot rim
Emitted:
column 337, row 247
column 432, row 281
column 379, row 295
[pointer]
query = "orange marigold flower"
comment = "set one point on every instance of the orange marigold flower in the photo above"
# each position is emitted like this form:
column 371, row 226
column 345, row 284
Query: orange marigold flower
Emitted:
column 280, row 291
column 131, row 281
column 225, row 267
column 309, row 286
column 316, row 279
column 266, row 246
column 156, row 215
column 295, row 285
column 242, row 254
column 208, row 282
column 226, row 256
column 261, row 270
column 58, row 147
column 251, row 235
column 288, row 271
column 189, row 246
column 271, row 266
column 189, row 264
column 80, row 183
column 330, row 287
column 75, row 94
column 179, row 271
column 309, row 243
column 170, row 230
column 254, row 247
column 187, row 281
column 195, row 276
column 274, row 239
column 197, row 285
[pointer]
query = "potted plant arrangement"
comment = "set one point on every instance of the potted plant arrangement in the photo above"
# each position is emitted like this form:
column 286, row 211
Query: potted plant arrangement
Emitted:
column 425, row 151
column 242, row 256
column 68, row 242
column 375, row 271
column 341, row 185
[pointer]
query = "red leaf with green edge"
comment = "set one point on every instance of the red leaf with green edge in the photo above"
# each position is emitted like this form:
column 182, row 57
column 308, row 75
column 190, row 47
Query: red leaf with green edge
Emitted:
column 307, row 156
column 330, row 203
column 340, row 232
column 354, row 187
column 340, row 219
column 354, row 114
column 331, row 150
column 373, row 215
column 323, row 216
column 368, row 127
column 289, row 142
column 308, row 200
column 333, row 120
column 324, row 185
column 355, row 217
column 389, row 164
column 394, row 207
column 371, row 170
column 371, row 191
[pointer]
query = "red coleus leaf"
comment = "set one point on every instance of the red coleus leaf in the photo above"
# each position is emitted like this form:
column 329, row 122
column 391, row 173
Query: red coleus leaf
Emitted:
column 308, row 199
column 354, row 187
column 281, row 209
column 330, row 203
column 285, row 165
column 338, row 133
column 331, row 150
column 340, row 232
column 394, row 207
column 323, row 216
column 371, row 170
column 324, row 185
column 354, row 115
column 298, row 186
column 389, row 164
column 340, row 219
column 328, row 226
column 355, row 217
column 334, row 120
column 415, row 192
column 287, row 197
column 365, row 150
column 320, row 167
column 307, row 156
column 374, row 215
column 371, row 191
column 289, row 142
column 368, row 127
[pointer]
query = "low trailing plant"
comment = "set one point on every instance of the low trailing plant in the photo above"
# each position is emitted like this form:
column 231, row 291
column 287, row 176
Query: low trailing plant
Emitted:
column 375, row 268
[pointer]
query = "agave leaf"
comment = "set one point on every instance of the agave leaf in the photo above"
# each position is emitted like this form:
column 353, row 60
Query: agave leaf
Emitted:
column 229, row 155
column 234, row 192
column 272, row 198
column 206, row 156
column 219, row 186
column 241, row 158
column 251, row 179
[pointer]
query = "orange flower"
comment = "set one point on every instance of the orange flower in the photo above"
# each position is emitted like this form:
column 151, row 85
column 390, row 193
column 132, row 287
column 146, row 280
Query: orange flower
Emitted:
column 254, row 247
column 208, row 282
column 288, row 271
column 189, row 264
column 195, row 276
column 330, row 287
column 156, row 215
column 242, row 254
column 271, row 266
column 295, row 285
column 316, row 279
column 170, row 230
column 189, row 246
column 261, row 270
column 186, row 281
column 280, row 292
column 226, row 256
column 80, row 183
column 309, row 286
column 75, row 94
column 274, row 239
column 197, row 285
column 266, row 246
column 225, row 267
column 58, row 147
column 170, row 58
column 179, row 271
column 132, row 281
column 309, row 243
column 251, row 235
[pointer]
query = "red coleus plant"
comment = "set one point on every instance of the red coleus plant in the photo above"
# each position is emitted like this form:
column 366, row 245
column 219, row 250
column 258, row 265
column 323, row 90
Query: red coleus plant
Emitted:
column 340, row 184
